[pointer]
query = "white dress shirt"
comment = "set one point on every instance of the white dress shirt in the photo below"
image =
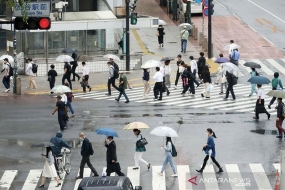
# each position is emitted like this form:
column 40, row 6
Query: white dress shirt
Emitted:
column 261, row 93
column 232, row 46
column 193, row 65
column 158, row 77
column 85, row 70
column 165, row 70
column 29, row 69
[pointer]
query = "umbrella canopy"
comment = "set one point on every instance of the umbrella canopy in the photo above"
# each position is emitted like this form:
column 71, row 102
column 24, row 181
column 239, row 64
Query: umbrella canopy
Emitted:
column 83, row 58
column 232, row 46
column 151, row 64
column 161, row 22
column 43, row 144
column 276, row 93
column 164, row 131
column 111, row 56
column 136, row 125
column 9, row 57
column 69, row 50
column 60, row 89
column 188, row 26
column 231, row 68
column 107, row 132
column 64, row 58
column 222, row 60
column 252, row 65
column 259, row 80
column 167, row 58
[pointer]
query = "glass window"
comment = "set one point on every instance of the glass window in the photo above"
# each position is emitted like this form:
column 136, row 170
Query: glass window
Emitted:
column 34, row 45
column 56, row 43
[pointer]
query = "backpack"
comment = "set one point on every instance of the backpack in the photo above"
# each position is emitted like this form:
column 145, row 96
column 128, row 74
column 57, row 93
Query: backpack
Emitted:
column 91, row 151
column 115, row 65
column 116, row 73
column 68, row 68
column 173, row 152
column 234, row 79
column 34, row 68
column 11, row 70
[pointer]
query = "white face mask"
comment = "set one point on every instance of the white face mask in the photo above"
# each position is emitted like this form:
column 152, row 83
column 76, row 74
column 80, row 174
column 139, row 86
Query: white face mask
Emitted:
column 81, row 138
column 107, row 141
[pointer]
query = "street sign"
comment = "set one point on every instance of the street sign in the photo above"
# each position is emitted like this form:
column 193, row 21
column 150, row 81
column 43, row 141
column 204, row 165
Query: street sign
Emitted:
column 206, row 12
column 198, row 2
column 205, row 3
column 34, row 9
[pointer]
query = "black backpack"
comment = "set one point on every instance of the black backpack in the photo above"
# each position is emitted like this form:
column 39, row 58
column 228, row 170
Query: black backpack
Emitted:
column 116, row 73
column 234, row 79
column 34, row 68
column 69, row 68
column 115, row 65
column 174, row 152
column 11, row 70
column 91, row 151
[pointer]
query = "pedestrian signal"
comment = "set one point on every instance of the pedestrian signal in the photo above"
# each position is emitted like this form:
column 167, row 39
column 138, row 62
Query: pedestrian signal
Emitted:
column 134, row 19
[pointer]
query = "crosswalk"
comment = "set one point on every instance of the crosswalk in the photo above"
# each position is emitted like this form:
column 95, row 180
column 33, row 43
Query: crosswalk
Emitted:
column 235, row 176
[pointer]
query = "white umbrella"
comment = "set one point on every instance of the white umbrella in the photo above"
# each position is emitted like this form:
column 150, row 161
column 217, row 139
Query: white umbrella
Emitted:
column 188, row 26
column 161, row 22
column 231, row 68
column 164, row 131
column 64, row 58
column 111, row 56
column 151, row 64
column 276, row 93
column 9, row 57
column 232, row 46
column 60, row 89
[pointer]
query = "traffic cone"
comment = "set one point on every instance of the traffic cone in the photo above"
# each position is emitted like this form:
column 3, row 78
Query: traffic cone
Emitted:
column 277, row 183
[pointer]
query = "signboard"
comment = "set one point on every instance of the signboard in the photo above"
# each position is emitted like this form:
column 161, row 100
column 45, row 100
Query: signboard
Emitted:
column 205, row 3
column 206, row 12
column 34, row 9
column 198, row 2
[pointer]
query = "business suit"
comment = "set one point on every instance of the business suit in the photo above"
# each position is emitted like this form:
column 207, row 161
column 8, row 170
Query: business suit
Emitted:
column 86, row 158
column 112, row 155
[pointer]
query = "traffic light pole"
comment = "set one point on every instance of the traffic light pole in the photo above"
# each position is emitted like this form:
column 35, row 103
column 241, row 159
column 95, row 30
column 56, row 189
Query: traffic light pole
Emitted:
column 15, row 63
column 127, row 35
column 189, row 15
column 210, row 31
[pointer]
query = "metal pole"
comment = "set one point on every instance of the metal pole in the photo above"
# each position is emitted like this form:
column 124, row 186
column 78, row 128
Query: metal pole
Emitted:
column 46, row 49
column 189, row 15
column 203, row 27
column 127, row 35
column 15, row 63
column 174, row 10
column 210, row 30
column 282, row 169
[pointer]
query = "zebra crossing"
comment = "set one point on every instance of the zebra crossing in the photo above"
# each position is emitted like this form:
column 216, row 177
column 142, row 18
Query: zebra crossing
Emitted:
column 235, row 176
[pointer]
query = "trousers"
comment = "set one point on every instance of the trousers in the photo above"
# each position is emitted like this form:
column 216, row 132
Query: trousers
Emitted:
column 67, row 77
column 213, row 159
column 168, row 159
column 157, row 87
column 222, row 86
column 6, row 82
column 279, row 126
column 230, row 89
column 73, row 72
column 111, row 81
column 191, row 86
column 32, row 82
column 86, row 160
column 138, row 158
column 146, row 87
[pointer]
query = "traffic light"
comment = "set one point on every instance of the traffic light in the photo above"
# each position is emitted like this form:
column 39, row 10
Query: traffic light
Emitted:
column 211, row 7
column 33, row 23
column 134, row 19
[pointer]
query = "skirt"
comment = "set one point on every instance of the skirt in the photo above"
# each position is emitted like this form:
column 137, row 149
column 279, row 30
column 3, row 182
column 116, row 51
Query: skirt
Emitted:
column 49, row 170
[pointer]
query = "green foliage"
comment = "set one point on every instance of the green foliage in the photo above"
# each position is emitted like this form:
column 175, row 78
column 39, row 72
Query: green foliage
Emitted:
column 22, row 3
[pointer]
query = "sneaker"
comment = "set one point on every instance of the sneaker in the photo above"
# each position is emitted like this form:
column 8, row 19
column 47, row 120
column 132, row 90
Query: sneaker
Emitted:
column 174, row 175
column 225, row 99
column 107, row 94
column 127, row 101
column 7, row 90
column 220, row 170
column 183, row 94
column 255, row 118
column 159, row 173
column 279, row 136
column 221, row 93
column 117, row 99
column 73, row 115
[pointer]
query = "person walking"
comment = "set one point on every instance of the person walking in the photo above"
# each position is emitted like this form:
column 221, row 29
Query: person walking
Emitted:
column 160, row 35
column 6, row 77
column 111, row 79
column 280, row 118
column 85, row 77
column 184, row 35
column 49, row 168
column 230, row 86
column 194, row 69
column 276, row 83
column 111, row 157
column 253, row 86
column 259, row 106
column 73, row 68
column 210, row 146
column 235, row 57
column 168, row 157
column 223, row 80
column 166, row 71
column 158, row 78
column 190, row 84
column 206, row 79
column 30, row 72
column 61, row 110
column 232, row 46
column 184, row 75
column 180, row 69
column 139, row 151
column 201, row 64
column 122, row 86
column 66, row 74
column 146, row 84
column 69, row 97
column 51, row 77
column 85, row 153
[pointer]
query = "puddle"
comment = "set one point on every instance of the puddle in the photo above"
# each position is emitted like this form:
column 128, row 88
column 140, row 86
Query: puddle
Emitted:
column 121, row 116
column 220, row 122
column 180, row 122
column 152, row 115
column 264, row 132
column 89, row 125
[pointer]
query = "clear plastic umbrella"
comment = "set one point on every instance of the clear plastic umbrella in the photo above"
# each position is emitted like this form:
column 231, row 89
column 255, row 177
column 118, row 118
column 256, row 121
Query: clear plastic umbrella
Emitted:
column 232, row 46
column 111, row 56
column 64, row 58
column 60, row 89
column 231, row 68
column 187, row 25
column 164, row 131
column 9, row 57
column 151, row 64
column 161, row 22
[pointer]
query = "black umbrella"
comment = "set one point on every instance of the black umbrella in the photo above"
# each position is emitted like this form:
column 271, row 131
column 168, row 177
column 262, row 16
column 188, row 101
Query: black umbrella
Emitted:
column 69, row 50
column 83, row 58
column 167, row 59
column 252, row 65
column 43, row 144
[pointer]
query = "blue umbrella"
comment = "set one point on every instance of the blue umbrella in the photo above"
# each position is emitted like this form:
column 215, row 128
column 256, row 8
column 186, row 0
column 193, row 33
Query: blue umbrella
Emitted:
column 107, row 132
column 259, row 80
column 222, row 60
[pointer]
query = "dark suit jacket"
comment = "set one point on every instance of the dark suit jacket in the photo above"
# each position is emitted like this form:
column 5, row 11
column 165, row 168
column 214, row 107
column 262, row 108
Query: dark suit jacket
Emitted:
column 111, row 152
column 85, row 148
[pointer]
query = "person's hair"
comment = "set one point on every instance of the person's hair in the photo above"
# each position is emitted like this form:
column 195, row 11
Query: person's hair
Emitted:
column 66, row 84
column 136, row 130
column 81, row 133
column 167, row 61
column 160, row 25
column 66, row 62
column 30, row 59
column 144, row 70
column 83, row 63
column 202, row 54
column 58, row 97
column 185, row 65
column 179, row 56
column 280, row 99
column 191, row 57
column 168, row 139
column 109, row 63
column 236, row 49
column 259, row 85
column 232, row 41
column 253, row 69
column 221, row 55
column 188, row 68
column 52, row 66
column 206, row 68
column 48, row 149
column 211, row 132
column 157, row 68
column 276, row 75
column 110, row 137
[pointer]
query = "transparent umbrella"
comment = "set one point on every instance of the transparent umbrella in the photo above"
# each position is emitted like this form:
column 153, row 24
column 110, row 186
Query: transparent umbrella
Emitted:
column 151, row 64
column 187, row 25
column 64, row 58
column 232, row 46
column 9, row 57
column 231, row 68
column 60, row 89
column 111, row 56
column 161, row 22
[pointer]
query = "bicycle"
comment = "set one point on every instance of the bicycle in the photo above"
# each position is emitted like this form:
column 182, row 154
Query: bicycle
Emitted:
column 63, row 162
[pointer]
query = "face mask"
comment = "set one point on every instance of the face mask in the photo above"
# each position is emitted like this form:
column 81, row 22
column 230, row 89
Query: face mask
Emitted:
column 108, row 141
column 81, row 138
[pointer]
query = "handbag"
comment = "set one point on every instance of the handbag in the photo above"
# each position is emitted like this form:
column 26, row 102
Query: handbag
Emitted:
column 157, row 33
column 180, row 69
column 142, row 142
column 49, row 78
column 83, row 84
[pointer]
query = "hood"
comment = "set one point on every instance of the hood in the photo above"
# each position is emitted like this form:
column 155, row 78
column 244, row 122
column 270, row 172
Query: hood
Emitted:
column 59, row 134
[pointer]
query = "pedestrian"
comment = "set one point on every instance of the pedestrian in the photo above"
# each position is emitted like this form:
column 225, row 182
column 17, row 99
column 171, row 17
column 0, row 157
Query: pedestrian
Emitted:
column 85, row 77
column 184, row 35
column 210, row 146
column 6, row 77
column 86, row 148
column 190, row 84
column 259, row 106
column 69, row 97
column 235, row 57
column 184, row 76
column 146, row 84
column 223, row 80
column 158, row 78
column 232, row 46
column 206, row 79
column 111, row 157
column 166, row 71
column 276, row 85
column 280, row 118
column 230, row 88
column 51, row 77
column 122, row 86
column 61, row 110
column 160, row 35
column 49, row 168
column 180, row 69
column 194, row 69
column 74, row 65
column 111, row 79
column 168, row 157
column 253, row 86
column 201, row 64
column 66, row 74
column 139, row 151
column 32, row 73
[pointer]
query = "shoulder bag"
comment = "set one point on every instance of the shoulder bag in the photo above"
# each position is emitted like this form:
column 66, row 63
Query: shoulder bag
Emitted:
column 142, row 142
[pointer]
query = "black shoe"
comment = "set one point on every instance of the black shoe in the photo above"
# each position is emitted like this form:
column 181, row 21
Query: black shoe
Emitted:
column 268, row 116
column 59, row 184
column 95, row 175
column 127, row 101
column 198, row 85
column 135, row 168
column 78, row 177
column 255, row 118
column 117, row 99
column 89, row 89
column 159, row 99
column 73, row 80
column 168, row 93
column 202, row 95
column 221, row 93
column 108, row 94
column 148, row 166
column 269, row 106
column 200, row 171
column 279, row 136
column 42, row 186
column 181, row 51
column 220, row 170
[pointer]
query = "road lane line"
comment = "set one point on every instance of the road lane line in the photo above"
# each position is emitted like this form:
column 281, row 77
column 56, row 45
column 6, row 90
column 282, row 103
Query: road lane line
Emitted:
column 260, row 177
column 182, row 171
column 158, row 181
column 276, row 65
column 134, row 176
column 208, row 176
column 32, row 179
column 86, row 173
column 7, row 179
column 263, row 67
column 53, row 183
column 242, row 62
column 234, row 173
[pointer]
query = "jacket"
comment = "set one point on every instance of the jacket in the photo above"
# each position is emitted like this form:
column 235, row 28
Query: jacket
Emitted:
column 206, row 77
column 275, row 81
column 85, row 148
column 50, row 158
column 111, row 152
column 74, row 63
column 146, row 76
column 229, row 78
column 58, row 143
column 201, row 63
column 280, row 110
column 29, row 69
column 168, row 149
column 111, row 71
column 210, row 146
column 184, row 34
column 190, row 76
column 124, row 79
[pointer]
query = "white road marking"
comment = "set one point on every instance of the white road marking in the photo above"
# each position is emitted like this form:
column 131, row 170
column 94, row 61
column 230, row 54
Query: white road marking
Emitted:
column 260, row 177
column 158, row 181
column 234, row 173
column 32, row 179
column 182, row 171
column 276, row 65
column 134, row 176
column 7, row 179
column 263, row 67
column 209, row 173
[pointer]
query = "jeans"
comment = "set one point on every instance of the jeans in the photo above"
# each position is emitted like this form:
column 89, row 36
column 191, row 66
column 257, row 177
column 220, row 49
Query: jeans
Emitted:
column 279, row 126
column 157, row 87
column 6, row 82
column 253, row 89
column 70, row 106
column 86, row 160
column 61, row 120
column 191, row 86
column 111, row 81
column 273, row 99
column 230, row 89
column 168, row 159
column 194, row 73
column 146, row 87
column 73, row 71
column 183, row 45
column 138, row 157
column 222, row 86
column 67, row 77
column 125, row 95
column 51, row 84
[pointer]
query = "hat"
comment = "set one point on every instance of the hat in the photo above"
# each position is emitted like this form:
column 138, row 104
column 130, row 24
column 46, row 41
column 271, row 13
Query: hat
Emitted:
column 5, row 59
column 59, row 97
column 184, row 27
